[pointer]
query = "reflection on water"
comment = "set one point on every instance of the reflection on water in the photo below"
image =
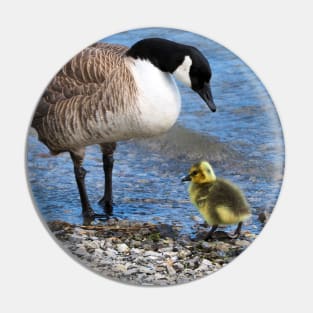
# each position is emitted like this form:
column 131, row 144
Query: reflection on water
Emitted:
column 242, row 140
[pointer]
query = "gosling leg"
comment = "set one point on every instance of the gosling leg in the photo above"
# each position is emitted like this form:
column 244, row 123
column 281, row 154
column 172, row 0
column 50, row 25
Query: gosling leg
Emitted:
column 80, row 173
column 237, row 232
column 107, row 157
column 210, row 233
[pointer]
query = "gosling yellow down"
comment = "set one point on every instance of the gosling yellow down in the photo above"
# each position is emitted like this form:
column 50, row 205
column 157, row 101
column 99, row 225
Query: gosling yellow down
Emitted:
column 219, row 201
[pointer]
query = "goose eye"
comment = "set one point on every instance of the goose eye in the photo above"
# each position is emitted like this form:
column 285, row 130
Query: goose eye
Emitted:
column 194, row 173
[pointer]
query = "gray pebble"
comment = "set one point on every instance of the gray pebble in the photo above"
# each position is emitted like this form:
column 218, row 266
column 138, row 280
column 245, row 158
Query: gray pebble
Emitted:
column 178, row 266
column 119, row 268
column 160, row 268
column 91, row 244
column 242, row 243
column 152, row 254
column 98, row 253
column 205, row 265
column 206, row 246
column 146, row 270
column 131, row 271
column 137, row 259
column 75, row 238
column 136, row 251
column 182, row 254
column 159, row 276
column 111, row 253
column 136, row 243
column 166, row 249
column 81, row 251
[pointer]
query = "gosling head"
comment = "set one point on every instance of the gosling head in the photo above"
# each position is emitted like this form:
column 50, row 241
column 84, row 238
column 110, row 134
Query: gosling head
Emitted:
column 200, row 173
column 186, row 63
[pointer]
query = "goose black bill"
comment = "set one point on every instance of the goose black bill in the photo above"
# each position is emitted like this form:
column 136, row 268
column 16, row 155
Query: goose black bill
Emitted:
column 206, row 94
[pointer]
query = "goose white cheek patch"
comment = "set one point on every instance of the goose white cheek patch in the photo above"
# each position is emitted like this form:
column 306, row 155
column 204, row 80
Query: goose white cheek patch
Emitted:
column 182, row 71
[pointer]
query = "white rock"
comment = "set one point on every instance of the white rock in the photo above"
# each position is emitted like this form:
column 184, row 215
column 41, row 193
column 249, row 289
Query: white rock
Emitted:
column 136, row 251
column 205, row 265
column 122, row 248
column 159, row 276
column 111, row 253
column 179, row 266
column 102, row 244
column 170, row 269
column 242, row 243
column 119, row 268
column 98, row 252
column 146, row 270
column 131, row 271
column 183, row 253
column 166, row 249
column 172, row 255
column 92, row 244
column 75, row 238
column 152, row 254
column 206, row 262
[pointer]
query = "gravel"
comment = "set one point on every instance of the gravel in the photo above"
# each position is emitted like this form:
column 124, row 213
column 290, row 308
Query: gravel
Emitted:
column 146, row 254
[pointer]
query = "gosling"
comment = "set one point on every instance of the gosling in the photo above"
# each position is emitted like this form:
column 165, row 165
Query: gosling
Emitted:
column 219, row 201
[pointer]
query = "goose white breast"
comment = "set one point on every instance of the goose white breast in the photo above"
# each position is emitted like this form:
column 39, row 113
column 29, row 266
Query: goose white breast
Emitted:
column 158, row 98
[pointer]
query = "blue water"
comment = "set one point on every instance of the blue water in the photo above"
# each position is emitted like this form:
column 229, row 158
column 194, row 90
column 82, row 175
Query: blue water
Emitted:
column 242, row 140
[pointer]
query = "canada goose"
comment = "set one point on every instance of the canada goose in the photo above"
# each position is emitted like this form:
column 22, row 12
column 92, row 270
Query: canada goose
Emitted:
column 108, row 93
column 218, row 200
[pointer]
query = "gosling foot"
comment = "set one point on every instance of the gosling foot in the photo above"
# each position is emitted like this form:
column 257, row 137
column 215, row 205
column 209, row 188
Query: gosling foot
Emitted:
column 210, row 233
column 237, row 232
column 233, row 236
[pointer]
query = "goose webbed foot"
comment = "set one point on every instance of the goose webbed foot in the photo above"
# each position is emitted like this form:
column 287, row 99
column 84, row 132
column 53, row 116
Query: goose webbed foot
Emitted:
column 91, row 216
column 88, row 212
column 107, row 205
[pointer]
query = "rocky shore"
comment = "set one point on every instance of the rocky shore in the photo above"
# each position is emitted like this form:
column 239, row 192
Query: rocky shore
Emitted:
column 147, row 254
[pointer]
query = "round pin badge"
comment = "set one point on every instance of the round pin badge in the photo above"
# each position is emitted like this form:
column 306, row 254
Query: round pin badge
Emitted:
column 155, row 156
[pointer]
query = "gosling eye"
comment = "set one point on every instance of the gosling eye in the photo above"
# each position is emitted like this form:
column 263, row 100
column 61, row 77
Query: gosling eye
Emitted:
column 194, row 173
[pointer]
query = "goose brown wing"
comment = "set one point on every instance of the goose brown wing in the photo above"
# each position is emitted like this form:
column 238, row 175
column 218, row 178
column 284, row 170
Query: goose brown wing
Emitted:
column 89, row 72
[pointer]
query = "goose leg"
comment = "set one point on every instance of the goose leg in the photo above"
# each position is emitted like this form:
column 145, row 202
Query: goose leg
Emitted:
column 210, row 233
column 237, row 232
column 80, row 173
column 108, row 161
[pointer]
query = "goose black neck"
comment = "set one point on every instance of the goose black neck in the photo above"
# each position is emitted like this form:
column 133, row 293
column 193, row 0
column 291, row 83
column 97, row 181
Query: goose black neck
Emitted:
column 164, row 54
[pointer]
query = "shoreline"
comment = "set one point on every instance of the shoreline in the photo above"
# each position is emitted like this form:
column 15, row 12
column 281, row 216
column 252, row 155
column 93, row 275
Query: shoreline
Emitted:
column 147, row 254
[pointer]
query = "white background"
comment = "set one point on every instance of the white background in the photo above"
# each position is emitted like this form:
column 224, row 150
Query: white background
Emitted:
column 274, row 38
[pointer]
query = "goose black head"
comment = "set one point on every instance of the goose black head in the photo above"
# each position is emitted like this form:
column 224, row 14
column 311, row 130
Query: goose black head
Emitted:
column 186, row 63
